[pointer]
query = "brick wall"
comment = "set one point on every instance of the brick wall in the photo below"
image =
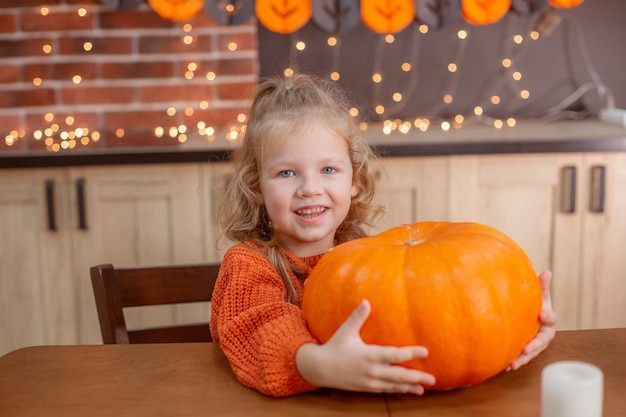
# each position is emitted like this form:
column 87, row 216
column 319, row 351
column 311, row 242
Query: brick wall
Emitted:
column 80, row 75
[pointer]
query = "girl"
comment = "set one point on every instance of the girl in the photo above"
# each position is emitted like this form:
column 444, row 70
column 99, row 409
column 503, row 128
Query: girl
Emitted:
column 303, row 183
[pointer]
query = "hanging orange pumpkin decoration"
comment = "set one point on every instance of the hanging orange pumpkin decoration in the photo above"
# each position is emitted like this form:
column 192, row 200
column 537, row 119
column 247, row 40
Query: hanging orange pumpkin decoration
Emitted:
column 283, row 16
column 465, row 291
column 565, row 3
column 387, row 16
column 484, row 12
column 176, row 10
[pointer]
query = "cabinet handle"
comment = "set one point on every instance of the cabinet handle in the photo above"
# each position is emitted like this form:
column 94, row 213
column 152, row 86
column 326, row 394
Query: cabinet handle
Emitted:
column 80, row 199
column 52, row 220
column 568, row 190
column 597, row 187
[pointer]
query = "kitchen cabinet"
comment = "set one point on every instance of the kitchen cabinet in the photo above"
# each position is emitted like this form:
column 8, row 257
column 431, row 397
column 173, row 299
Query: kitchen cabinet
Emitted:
column 411, row 189
column 57, row 223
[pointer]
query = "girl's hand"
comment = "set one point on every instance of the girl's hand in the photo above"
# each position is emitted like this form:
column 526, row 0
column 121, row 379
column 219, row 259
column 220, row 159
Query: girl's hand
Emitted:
column 547, row 330
column 346, row 362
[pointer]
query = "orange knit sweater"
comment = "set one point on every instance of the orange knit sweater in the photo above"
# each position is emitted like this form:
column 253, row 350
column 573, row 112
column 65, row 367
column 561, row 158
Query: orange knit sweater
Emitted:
column 256, row 328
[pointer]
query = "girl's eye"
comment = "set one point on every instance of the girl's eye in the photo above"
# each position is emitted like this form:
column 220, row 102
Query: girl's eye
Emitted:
column 328, row 170
column 286, row 173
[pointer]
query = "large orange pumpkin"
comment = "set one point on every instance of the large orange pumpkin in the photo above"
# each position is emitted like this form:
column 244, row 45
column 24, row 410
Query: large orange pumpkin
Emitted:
column 464, row 290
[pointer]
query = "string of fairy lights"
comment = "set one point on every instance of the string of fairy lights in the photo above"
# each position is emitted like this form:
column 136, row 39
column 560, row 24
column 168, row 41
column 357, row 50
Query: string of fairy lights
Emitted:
column 60, row 133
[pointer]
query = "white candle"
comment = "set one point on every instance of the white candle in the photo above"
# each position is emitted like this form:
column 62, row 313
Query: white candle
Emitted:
column 571, row 389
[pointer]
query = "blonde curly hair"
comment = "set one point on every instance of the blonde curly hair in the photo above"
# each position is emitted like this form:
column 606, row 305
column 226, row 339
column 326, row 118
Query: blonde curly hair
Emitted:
column 284, row 106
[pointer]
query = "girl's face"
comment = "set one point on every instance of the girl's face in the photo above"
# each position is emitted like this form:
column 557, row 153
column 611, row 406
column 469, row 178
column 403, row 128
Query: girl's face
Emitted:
column 306, row 187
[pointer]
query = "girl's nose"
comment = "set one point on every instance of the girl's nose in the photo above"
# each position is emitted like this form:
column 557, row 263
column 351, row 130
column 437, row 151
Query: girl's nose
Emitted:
column 309, row 186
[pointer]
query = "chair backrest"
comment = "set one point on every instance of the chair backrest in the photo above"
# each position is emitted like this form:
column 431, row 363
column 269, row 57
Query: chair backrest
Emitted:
column 117, row 288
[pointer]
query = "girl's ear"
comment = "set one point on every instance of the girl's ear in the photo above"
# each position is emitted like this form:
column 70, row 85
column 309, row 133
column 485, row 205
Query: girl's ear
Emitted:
column 354, row 191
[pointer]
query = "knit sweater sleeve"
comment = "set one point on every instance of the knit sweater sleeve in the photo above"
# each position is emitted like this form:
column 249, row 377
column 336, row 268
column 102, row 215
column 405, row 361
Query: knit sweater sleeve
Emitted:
column 256, row 328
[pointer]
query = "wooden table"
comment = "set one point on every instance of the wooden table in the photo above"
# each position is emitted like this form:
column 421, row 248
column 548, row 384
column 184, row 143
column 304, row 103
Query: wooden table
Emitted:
column 195, row 380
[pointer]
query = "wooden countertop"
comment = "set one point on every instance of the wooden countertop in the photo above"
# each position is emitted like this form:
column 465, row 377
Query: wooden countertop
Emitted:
column 531, row 137
column 195, row 380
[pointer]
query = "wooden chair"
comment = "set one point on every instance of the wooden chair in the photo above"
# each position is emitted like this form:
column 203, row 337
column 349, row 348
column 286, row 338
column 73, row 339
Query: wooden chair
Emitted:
column 117, row 288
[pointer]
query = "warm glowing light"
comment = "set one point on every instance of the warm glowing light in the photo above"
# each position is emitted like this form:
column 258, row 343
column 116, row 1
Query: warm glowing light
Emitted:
column 44, row 11
column 404, row 127
column 47, row 48
column 87, row 46
column 192, row 66
column 69, row 120
column 406, row 67
column 182, row 128
column 478, row 111
column 397, row 97
column 82, row 12
column 423, row 28
column 84, row 141
column 459, row 118
column 334, row 76
column 232, row 46
column 448, row 98
column 511, row 122
column 77, row 79
column 452, row 67
column 119, row 133
column 354, row 112
column 498, row 124
column 37, row 81
column 211, row 75
column 525, row 94
column 204, row 105
column 189, row 75
column 389, row 38
column 300, row 45
column 380, row 109
column 517, row 75
column 506, row 63
column 49, row 141
column 331, row 41
column 79, row 132
column 173, row 132
column 518, row 39
column 187, row 27
column 95, row 136
column 189, row 111
column 38, row 134
column 363, row 126
column 495, row 99
column 377, row 77
column 48, row 117
column 241, row 117
column 171, row 111
column 188, row 39
column 387, row 129
column 445, row 126
column 288, row 72
column 182, row 138
column 534, row 35
column 462, row 34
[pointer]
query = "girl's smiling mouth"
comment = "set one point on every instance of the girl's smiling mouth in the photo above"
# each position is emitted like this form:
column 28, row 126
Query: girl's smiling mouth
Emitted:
column 311, row 211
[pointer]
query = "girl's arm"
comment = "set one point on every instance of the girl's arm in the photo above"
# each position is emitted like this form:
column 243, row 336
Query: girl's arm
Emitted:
column 346, row 362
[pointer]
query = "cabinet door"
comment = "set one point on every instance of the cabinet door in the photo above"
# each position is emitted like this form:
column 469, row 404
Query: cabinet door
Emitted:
column 136, row 215
column 36, row 287
column 411, row 190
column 603, row 241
